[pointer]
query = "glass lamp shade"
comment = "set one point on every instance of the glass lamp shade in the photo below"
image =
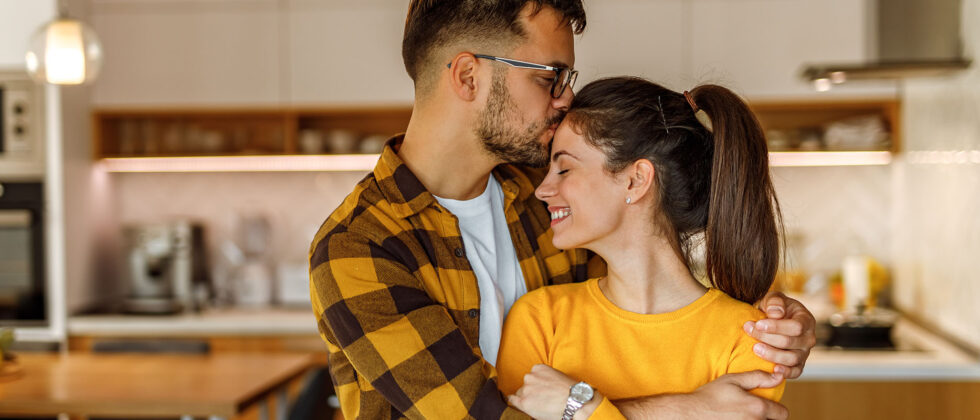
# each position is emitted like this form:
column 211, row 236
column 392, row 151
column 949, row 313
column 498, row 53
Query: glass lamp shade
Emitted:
column 64, row 52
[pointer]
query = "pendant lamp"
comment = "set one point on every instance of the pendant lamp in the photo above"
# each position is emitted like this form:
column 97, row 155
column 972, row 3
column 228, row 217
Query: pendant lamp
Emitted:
column 64, row 51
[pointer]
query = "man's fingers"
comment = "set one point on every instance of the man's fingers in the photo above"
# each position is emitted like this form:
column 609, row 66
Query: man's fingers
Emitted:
column 775, row 410
column 789, row 372
column 781, row 341
column 753, row 379
column 779, row 356
column 790, row 327
column 774, row 305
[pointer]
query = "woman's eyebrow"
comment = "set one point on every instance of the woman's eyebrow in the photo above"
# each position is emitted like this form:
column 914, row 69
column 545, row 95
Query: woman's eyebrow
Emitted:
column 554, row 157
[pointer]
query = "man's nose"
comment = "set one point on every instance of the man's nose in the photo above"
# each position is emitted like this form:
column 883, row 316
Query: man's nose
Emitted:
column 564, row 101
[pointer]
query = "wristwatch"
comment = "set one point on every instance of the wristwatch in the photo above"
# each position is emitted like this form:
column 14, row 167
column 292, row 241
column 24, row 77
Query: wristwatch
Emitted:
column 580, row 394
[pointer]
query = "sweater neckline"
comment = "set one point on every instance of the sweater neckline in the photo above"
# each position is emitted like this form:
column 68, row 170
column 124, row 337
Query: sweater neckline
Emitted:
column 607, row 305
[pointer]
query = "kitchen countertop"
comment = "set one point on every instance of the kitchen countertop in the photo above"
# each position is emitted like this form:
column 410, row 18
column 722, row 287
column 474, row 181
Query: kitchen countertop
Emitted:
column 922, row 356
column 213, row 322
column 932, row 358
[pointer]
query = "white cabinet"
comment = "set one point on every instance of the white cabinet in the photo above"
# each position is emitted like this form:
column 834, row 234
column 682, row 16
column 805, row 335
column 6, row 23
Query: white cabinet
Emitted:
column 346, row 52
column 163, row 52
column 758, row 47
column 303, row 52
column 637, row 38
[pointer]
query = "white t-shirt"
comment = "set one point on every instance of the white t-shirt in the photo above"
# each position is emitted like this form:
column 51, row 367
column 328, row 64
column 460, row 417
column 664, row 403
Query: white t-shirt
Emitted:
column 490, row 252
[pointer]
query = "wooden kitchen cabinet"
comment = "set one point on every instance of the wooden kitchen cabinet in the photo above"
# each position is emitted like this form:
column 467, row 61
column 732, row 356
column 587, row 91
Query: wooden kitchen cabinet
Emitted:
column 237, row 132
column 812, row 116
column 899, row 400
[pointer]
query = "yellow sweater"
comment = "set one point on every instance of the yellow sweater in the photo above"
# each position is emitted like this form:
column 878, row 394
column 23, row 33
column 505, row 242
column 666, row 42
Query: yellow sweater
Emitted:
column 574, row 328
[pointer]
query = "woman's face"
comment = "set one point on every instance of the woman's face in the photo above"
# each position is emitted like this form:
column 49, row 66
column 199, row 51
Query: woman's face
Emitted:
column 586, row 201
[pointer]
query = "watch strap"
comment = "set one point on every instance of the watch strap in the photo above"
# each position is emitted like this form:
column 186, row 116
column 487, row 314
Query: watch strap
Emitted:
column 571, row 407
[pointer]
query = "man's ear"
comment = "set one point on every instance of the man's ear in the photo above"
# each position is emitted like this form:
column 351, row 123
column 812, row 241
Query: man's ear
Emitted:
column 463, row 76
column 640, row 178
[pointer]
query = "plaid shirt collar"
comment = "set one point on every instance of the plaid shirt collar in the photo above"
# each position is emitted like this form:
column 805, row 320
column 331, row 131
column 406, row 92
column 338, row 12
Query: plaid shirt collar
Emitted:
column 408, row 196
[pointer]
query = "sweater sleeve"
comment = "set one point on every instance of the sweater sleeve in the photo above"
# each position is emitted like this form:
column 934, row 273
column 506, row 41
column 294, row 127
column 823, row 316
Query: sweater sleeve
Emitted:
column 743, row 359
column 524, row 342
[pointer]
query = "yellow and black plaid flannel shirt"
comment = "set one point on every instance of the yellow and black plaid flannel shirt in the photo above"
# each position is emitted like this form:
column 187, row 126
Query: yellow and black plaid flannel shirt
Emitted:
column 397, row 302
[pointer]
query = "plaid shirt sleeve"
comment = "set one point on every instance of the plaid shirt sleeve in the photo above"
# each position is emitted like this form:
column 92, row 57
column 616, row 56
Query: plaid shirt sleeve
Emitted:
column 394, row 338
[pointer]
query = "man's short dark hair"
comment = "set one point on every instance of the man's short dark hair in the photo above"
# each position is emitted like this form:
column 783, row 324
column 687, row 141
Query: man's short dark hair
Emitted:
column 435, row 24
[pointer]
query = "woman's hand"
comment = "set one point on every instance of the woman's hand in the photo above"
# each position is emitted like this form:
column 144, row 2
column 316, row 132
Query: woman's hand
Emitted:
column 545, row 392
column 786, row 336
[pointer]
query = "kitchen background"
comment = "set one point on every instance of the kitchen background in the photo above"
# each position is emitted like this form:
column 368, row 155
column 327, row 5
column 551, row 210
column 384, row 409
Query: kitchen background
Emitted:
column 916, row 215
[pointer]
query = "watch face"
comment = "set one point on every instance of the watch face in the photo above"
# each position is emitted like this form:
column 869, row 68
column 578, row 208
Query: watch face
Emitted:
column 581, row 392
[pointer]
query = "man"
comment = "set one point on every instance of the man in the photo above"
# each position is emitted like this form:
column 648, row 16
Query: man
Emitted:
column 412, row 275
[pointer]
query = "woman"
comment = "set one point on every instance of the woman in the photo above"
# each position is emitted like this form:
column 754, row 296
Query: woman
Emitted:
column 638, row 174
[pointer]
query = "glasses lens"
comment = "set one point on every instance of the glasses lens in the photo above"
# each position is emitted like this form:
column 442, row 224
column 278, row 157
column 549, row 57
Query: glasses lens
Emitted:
column 558, row 88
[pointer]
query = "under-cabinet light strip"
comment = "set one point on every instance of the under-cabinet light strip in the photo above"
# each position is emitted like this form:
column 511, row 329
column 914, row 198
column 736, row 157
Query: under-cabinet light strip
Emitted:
column 317, row 163
column 292, row 163
column 787, row 159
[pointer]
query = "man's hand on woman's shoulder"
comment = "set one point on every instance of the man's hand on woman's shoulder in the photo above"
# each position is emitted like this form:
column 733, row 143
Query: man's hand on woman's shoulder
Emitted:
column 786, row 335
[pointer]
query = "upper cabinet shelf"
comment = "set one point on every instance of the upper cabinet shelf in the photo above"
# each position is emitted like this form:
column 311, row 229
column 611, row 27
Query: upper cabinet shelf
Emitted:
column 311, row 139
column 128, row 133
column 830, row 126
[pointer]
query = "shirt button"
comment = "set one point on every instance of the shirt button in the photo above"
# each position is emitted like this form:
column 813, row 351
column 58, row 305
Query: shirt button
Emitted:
column 459, row 252
column 474, row 313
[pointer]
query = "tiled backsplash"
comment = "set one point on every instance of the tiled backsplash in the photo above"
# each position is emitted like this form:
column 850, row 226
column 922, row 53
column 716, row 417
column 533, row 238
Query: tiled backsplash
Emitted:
column 294, row 203
column 832, row 212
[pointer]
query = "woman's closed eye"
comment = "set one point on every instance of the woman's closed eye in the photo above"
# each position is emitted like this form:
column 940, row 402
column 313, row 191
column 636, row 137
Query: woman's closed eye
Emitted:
column 562, row 172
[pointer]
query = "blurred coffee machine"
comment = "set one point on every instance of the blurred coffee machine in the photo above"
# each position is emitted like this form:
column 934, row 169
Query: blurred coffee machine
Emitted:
column 166, row 267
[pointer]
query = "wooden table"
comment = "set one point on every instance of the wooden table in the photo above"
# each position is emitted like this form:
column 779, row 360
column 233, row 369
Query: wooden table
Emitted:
column 129, row 385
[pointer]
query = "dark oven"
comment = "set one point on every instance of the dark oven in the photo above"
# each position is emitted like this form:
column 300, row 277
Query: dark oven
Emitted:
column 22, row 294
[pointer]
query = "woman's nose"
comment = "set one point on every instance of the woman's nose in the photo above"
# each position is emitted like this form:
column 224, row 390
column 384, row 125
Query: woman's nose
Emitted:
column 545, row 190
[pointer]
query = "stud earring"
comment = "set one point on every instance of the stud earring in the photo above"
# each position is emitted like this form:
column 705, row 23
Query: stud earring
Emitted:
column 629, row 200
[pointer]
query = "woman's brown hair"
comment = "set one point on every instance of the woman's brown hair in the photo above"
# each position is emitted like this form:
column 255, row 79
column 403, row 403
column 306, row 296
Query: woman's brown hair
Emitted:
column 713, row 182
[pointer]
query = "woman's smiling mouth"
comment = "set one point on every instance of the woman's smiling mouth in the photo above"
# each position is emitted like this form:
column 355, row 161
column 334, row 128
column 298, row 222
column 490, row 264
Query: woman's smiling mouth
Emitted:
column 558, row 214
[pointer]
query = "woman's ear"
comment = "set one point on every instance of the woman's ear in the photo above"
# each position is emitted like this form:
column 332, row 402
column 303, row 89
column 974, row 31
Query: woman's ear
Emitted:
column 640, row 179
column 463, row 76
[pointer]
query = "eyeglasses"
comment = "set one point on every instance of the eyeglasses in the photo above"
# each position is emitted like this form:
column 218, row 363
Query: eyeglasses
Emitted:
column 564, row 77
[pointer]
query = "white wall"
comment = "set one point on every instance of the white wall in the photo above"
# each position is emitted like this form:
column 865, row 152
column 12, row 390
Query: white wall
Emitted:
column 18, row 21
column 937, row 196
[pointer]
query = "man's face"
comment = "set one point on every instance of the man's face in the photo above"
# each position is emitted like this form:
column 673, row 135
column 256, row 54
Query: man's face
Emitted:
column 520, row 117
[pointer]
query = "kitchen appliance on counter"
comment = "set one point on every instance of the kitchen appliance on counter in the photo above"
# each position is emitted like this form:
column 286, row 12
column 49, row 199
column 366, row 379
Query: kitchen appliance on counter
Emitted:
column 862, row 329
column 167, row 268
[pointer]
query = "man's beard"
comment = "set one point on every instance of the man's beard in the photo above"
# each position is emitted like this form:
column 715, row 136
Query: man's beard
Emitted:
column 504, row 141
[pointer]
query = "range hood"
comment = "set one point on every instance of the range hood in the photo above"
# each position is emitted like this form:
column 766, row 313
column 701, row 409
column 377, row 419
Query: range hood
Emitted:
column 915, row 38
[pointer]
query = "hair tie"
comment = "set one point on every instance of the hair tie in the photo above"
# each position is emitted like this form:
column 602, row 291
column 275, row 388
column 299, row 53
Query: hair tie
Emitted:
column 699, row 113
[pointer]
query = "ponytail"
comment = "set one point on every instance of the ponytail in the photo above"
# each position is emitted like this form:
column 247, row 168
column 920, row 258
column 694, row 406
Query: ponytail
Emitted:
column 742, row 231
